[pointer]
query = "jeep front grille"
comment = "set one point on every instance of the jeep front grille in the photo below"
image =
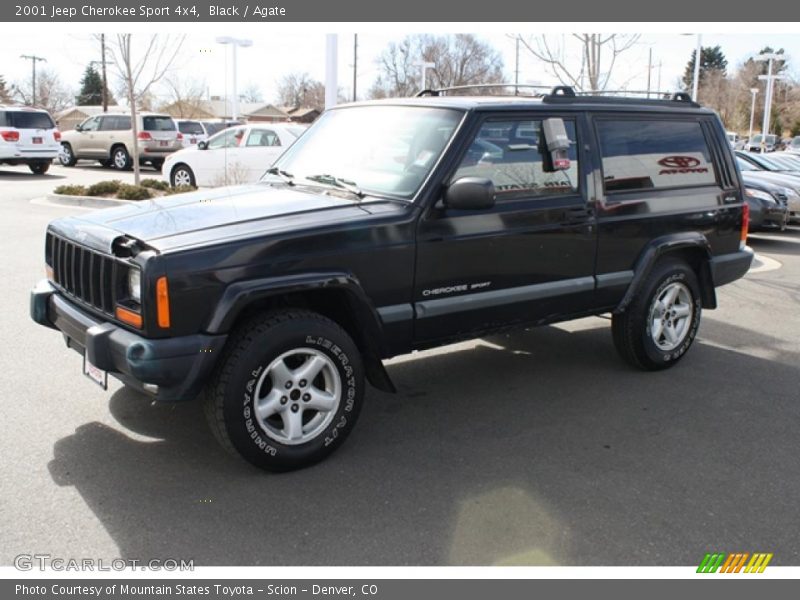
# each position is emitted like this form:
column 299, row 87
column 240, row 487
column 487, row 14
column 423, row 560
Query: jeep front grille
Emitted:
column 83, row 273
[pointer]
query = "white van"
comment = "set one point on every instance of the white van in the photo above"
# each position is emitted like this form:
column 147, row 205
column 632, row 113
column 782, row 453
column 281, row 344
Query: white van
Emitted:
column 28, row 136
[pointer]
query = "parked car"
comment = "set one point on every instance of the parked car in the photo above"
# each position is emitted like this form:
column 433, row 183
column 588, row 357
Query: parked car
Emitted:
column 277, row 300
column 733, row 138
column 767, row 202
column 193, row 132
column 787, row 182
column 794, row 145
column 108, row 139
column 213, row 127
column 28, row 136
column 234, row 155
column 755, row 143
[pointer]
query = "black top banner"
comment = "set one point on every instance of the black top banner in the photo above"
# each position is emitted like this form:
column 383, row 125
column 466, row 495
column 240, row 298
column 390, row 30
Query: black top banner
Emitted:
column 396, row 11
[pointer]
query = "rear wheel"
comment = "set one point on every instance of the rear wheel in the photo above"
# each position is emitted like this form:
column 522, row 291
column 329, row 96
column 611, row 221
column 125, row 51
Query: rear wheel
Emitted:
column 121, row 159
column 287, row 391
column 67, row 157
column 182, row 175
column 39, row 168
column 659, row 326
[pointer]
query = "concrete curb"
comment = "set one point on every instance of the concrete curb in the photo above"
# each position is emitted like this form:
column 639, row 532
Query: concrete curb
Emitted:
column 86, row 201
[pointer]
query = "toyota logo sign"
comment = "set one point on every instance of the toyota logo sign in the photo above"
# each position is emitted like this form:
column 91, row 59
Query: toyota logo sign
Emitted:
column 679, row 162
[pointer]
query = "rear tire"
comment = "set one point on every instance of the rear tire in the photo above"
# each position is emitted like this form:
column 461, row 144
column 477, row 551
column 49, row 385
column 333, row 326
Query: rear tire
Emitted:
column 287, row 391
column 121, row 159
column 182, row 175
column 67, row 157
column 659, row 326
column 39, row 168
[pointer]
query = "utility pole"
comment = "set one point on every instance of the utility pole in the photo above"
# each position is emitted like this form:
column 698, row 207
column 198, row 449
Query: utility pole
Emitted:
column 697, row 57
column 34, row 59
column 355, row 65
column 649, row 70
column 516, row 70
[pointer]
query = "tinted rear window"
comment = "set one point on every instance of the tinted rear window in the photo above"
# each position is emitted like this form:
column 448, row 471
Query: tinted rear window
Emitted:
column 190, row 127
column 26, row 120
column 158, row 124
column 650, row 154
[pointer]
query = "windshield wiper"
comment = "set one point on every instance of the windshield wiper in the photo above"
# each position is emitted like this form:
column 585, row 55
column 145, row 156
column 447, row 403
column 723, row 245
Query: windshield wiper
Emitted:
column 288, row 178
column 338, row 182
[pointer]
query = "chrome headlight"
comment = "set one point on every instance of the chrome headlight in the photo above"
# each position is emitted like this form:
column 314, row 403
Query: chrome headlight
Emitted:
column 135, row 285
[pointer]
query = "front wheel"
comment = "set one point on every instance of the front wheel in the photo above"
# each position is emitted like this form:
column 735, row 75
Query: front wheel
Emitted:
column 288, row 390
column 659, row 326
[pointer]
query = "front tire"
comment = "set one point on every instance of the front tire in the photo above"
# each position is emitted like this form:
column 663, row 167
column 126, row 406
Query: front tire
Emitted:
column 182, row 175
column 67, row 157
column 287, row 391
column 659, row 326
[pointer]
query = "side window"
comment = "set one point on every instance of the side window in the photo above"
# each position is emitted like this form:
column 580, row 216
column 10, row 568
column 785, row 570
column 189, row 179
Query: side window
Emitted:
column 122, row 123
column 651, row 154
column 227, row 139
column 90, row 124
column 508, row 153
column 107, row 124
column 262, row 137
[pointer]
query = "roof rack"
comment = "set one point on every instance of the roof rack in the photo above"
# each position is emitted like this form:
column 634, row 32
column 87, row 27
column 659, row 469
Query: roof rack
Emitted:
column 480, row 86
column 565, row 94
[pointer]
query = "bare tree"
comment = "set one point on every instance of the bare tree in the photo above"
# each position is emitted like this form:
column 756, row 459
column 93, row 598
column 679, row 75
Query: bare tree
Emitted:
column 51, row 93
column 187, row 97
column 460, row 59
column 252, row 93
column 299, row 89
column 139, row 69
column 586, row 63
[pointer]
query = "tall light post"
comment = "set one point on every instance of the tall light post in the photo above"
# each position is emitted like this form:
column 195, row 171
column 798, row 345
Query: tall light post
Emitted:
column 331, row 70
column 769, row 78
column 697, row 56
column 425, row 66
column 34, row 59
column 236, row 43
column 753, row 91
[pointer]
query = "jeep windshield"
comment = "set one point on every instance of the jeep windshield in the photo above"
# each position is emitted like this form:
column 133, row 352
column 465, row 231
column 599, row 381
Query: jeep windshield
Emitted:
column 379, row 150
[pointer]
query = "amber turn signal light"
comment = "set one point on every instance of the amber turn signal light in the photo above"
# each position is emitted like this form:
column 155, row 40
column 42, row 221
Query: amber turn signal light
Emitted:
column 162, row 302
column 129, row 317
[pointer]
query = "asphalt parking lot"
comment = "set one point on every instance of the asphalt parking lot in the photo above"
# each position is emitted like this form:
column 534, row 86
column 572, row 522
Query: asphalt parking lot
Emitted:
column 540, row 447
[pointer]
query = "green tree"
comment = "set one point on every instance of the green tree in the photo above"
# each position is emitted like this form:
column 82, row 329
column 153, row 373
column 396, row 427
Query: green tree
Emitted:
column 712, row 60
column 91, row 93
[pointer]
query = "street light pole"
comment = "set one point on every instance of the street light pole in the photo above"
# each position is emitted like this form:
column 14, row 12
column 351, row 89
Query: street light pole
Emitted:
column 235, row 42
column 769, row 79
column 425, row 66
column 696, row 80
column 753, row 91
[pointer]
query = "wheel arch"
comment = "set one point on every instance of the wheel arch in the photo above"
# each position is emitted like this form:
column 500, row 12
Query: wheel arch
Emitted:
column 690, row 247
column 338, row 296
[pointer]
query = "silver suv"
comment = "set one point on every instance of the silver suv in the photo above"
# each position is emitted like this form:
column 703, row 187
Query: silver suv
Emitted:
column 108, row 139
column 28, row 136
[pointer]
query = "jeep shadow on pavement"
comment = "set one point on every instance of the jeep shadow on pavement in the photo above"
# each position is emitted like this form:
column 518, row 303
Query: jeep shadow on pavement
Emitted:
column 399, row 225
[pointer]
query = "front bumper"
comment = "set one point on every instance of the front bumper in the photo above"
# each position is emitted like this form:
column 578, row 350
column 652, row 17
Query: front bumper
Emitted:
column 171, row 369
column 726, row 268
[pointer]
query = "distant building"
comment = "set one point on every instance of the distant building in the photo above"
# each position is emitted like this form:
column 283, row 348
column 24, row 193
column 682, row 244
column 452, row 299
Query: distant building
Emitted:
column 70, row 117
column 222, row 109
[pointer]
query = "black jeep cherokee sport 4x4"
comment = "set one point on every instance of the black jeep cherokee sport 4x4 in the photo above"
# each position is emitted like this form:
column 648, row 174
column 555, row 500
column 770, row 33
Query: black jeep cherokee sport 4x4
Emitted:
column 399, row 225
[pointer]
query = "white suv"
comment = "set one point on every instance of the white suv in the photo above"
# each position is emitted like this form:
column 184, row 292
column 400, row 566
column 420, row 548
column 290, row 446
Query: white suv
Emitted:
column 28, row 136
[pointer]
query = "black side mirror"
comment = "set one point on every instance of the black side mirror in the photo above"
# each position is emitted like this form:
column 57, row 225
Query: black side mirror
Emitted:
column 78, row 128
column 202, row 145
column 470, row 193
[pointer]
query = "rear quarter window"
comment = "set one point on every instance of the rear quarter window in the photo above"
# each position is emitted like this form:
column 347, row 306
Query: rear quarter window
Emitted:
column 158, row 124
column 646, row 154
column 190, row 127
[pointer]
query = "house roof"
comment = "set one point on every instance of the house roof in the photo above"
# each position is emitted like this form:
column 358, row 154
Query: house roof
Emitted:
column 88, row 111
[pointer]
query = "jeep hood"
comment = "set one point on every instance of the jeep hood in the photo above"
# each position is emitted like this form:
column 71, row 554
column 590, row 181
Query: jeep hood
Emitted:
column 208, row 216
